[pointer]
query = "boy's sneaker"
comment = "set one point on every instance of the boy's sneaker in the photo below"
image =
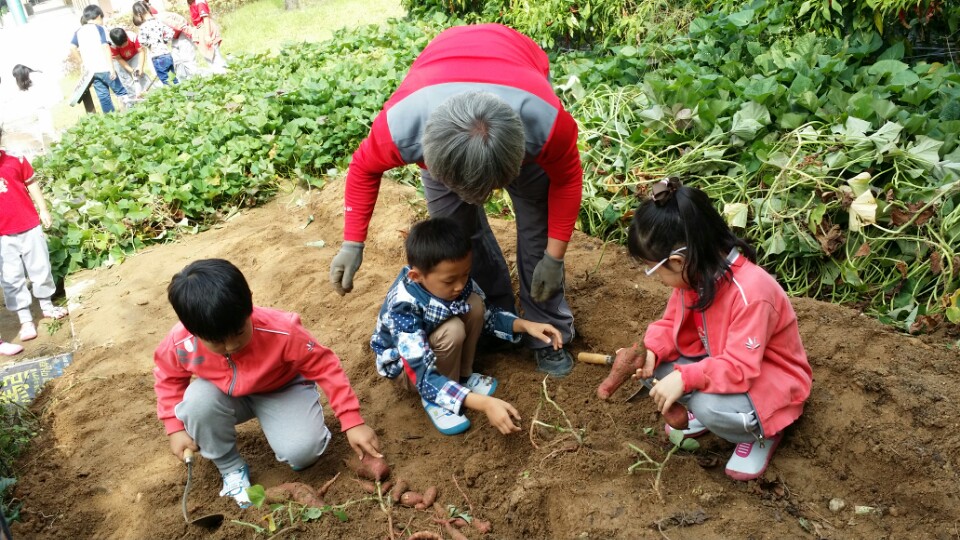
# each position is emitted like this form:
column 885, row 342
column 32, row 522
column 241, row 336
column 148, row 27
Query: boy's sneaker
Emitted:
column 235, row 485
column 749, row 460
column 445, row 421
column 10, row 349
column 28, row 331
column 695, row 428
column 481, row 384
column 556, row 363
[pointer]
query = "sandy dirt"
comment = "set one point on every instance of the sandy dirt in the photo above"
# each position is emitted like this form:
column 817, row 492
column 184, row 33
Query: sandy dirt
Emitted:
column 880, row 429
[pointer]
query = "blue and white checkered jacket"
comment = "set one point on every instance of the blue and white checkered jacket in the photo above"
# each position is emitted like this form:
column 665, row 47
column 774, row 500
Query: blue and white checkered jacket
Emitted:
column 407, row 318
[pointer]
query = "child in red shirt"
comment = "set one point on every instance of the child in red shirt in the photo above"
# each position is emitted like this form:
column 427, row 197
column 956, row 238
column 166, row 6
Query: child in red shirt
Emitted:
column 129, row 61
column 207, row 35
column 728, row 346
column 23, row 247
column 247, row 362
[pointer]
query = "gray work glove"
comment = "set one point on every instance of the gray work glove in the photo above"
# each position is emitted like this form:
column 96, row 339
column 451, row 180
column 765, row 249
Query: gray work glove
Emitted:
column 345, row 265
column 547, row 278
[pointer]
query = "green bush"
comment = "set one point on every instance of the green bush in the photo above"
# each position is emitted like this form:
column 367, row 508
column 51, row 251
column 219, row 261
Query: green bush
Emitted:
column 194, row 153
column 17, row 427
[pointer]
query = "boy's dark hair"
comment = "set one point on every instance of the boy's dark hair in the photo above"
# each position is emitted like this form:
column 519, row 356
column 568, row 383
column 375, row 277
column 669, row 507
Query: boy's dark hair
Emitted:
column 22, row 74
column 90, row 13
column 211, row 298
column 435, row 240
column 685, row 216
column 118, row 36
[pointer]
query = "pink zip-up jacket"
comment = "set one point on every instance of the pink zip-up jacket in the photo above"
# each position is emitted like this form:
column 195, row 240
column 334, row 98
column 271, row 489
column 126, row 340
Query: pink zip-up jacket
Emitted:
column 751, row 342
column 281, row 349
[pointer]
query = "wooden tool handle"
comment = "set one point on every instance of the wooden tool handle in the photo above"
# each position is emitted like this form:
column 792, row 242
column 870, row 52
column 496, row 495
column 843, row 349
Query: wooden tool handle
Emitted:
column 595, row 358
column 187, row 455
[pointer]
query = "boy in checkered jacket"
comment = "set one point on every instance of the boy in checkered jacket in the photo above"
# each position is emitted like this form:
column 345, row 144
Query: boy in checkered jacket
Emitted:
column 429, row 326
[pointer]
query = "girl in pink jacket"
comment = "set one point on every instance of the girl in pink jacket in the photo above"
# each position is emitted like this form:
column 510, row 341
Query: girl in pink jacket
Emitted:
column 728, row 346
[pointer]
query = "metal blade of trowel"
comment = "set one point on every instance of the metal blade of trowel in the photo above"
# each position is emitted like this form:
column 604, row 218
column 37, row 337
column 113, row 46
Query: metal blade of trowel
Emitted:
column 644, row 390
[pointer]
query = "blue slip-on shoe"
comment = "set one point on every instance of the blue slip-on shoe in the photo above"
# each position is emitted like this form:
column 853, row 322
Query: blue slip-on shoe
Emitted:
column 481, row 384
column 445, row 421
column 556, row 363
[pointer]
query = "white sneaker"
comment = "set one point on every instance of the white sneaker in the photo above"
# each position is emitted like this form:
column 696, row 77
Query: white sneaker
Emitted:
column 750, row 460
column 482, row 384
column 235, row 485
column 28, row 331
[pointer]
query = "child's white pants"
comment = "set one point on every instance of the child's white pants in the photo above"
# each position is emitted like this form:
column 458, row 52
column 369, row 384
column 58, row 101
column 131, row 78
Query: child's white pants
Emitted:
column 25, row 255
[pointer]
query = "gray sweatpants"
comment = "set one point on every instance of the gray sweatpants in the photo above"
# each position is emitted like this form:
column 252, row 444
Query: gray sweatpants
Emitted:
column 25, row 255
column 729, row 416
column 529, row 195
column 291, row 418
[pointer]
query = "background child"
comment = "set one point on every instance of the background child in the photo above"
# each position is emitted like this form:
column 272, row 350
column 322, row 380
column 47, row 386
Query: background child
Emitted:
column 156, row 37
column 129, row 61
column 249, row 362
column 90, row 43
column 430, row 323
column 728, row 346
column 207, row 35
column 23, row 247
column 183, row 50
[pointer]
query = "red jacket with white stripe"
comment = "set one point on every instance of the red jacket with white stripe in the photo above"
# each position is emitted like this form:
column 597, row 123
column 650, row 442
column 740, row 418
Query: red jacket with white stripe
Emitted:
column 484, row 57
column 751, row 342
column 280, row 350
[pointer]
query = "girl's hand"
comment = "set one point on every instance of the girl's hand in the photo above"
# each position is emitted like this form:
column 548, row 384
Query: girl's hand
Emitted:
column 543, row 331
column 666, row 392
column 646, row 370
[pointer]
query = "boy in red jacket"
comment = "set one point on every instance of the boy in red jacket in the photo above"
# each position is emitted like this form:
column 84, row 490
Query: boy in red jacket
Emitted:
column 248, row 362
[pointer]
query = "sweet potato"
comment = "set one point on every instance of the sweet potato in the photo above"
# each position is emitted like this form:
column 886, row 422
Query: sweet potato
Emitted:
column 410, row 498
column 482, row 525
column 429, row 496
column 296, row 492
column 369, row 468
column 676, row 416
column 425, row 535
column 454, row 533
column 627, row 362
column 398, row 489
column 371, row 487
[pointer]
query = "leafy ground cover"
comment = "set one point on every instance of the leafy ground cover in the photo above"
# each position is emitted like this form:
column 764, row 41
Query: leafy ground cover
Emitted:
column 835, row 156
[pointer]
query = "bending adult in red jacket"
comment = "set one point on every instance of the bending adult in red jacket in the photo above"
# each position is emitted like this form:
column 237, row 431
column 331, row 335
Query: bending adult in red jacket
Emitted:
column 477, row 113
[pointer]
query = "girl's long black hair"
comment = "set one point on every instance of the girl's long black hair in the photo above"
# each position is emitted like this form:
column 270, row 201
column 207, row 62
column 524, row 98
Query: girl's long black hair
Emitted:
column 684, row 216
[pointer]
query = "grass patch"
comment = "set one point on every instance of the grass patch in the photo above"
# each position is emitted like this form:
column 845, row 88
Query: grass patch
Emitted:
column 17, row 426
column 265, row 26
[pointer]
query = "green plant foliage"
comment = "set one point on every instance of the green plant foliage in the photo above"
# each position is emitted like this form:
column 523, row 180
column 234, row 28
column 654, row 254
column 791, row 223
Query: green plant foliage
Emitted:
column 194, row 153
column 774, row 125
column 17, row 428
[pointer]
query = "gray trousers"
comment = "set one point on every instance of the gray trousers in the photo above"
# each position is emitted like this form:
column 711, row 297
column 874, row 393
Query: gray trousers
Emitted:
column 25, row 255
column 729, row 416
column 529, row 195
column 291, row 418
column 133, row 85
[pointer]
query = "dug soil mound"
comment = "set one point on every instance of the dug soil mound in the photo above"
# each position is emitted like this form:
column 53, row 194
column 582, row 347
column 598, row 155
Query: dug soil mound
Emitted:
column 880, row 431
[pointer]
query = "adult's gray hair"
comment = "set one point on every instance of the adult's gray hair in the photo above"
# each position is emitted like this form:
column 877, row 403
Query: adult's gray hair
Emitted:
column 473, row 143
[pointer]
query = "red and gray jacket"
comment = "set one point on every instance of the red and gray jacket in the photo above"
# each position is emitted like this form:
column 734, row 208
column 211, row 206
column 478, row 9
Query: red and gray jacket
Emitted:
column 750, row 337
column 280, row 350
column 484, row 57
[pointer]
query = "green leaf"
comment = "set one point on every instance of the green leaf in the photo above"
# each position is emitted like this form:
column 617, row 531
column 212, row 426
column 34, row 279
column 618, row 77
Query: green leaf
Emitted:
column 749, row 120
column 676, row 436
column 741, row 18
column 257, row 495
column 311, row 513
column 903, row 79
column 925, row 150
column 690, row 445
column 341, row 515
column 888, row 67
column 761, row 88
